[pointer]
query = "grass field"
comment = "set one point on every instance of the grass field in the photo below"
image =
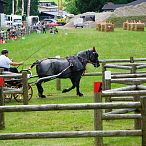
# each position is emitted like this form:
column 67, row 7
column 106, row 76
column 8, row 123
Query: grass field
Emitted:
column 119, row 44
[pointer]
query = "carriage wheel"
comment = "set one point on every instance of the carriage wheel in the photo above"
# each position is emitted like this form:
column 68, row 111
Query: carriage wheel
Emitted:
column 8, row 97
column 19, row 97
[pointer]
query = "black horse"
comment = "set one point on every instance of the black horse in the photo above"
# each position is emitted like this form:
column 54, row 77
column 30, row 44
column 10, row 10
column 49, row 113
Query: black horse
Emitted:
column 71, row 67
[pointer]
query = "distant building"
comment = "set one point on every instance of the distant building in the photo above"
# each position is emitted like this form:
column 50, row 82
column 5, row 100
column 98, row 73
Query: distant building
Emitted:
column 48, row 10
column 47, row 4
column 2, row 6
column 111, row 6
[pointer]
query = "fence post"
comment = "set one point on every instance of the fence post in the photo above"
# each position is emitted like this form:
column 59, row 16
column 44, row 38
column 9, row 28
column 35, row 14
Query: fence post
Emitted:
column 143, row 113
column 25, row 87
column 58, row 84
column 131, row 60
column 98, row 119
column 137, row 122
column 103, row 74
column 107, row 87
column 2, row 121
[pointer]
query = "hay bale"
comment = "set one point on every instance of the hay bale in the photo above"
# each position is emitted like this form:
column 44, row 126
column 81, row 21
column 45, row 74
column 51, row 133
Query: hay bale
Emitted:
column 109, row 27
column 98, row 26
column 139, row 27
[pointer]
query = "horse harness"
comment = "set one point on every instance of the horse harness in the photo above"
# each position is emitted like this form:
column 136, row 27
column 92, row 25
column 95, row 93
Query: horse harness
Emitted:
column 75, row 64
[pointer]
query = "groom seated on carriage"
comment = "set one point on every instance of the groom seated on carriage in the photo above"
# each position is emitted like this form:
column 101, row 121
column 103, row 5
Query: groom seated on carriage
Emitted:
column 6, row 63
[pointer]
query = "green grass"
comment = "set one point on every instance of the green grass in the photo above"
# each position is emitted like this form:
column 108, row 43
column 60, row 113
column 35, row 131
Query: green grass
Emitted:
column 118, row 44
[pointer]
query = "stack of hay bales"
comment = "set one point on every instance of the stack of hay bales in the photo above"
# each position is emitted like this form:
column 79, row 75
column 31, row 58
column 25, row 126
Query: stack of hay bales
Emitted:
column 133, row 25
column 105, row 27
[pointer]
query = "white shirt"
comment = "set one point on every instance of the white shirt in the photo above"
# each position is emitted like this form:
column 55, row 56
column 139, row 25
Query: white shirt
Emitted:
column 5, row 61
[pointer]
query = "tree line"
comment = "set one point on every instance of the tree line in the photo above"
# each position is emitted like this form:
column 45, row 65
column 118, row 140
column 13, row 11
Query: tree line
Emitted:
column 72, row 6
column 18, row 7
column 82, row 6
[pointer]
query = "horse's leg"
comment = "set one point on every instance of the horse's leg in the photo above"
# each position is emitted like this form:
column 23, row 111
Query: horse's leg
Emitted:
column 77, row 84
column 40, row 90
column 68, row 89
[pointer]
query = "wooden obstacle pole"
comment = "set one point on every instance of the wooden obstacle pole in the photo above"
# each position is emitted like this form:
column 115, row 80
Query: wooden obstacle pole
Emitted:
column 98, row 119
column 131, row 81
column 121, row 111
column 121, row 116
column 107, row 87
column 118, row 66
column 137, row 122
column 143, row 113
column 70, row 134
column 103, row 75
column 58, row 84
column 122, row 99
column 81, row 106
column 25, row 87
column 124, row 93
column 136, row 75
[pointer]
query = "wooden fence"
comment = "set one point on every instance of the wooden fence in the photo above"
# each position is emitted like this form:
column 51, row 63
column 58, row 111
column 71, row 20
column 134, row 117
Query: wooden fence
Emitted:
column 8, row 90
column 98, row 132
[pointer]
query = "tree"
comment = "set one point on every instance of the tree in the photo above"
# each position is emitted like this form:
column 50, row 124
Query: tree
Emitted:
column 81, row 6
column 8, row 7
column 89, row 5
column 121, row 1
column 70, row 6
column 33, row 5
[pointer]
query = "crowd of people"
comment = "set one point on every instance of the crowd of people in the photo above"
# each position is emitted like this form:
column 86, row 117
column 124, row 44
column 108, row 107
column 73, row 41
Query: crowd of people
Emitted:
column 13, row 32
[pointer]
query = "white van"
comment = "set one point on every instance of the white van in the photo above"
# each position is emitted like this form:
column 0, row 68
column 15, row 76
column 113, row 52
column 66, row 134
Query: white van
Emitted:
column 32, row 20
column 13, row 20
column 78, row 22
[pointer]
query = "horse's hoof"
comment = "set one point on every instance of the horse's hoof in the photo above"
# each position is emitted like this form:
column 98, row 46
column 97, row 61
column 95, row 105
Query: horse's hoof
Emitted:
column 42, row 96
column 64, row 91
column 80, row 94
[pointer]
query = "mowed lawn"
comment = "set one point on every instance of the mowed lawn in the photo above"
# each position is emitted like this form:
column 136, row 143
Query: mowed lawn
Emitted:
column 119, row 44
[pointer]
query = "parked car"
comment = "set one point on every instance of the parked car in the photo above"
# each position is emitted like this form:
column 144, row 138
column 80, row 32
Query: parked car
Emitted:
column 48, row 21
column 78, row 23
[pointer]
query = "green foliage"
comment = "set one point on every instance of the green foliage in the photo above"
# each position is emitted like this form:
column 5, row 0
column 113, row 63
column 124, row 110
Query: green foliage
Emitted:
column 81, row 6
column 70, row 6
column 8, row 7
column 122, row 1
column 113, row 45
column 118, row 21
column 33, row 5
column 88, row 6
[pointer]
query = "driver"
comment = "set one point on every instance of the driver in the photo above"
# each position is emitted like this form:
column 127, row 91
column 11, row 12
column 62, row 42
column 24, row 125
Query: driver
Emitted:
column 6, row 63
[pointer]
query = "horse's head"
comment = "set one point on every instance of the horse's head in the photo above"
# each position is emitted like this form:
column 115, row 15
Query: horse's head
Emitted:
column 89, row 56
column 93, row 57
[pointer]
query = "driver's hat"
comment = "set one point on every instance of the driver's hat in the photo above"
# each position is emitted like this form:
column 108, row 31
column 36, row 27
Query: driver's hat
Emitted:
column 4, row 51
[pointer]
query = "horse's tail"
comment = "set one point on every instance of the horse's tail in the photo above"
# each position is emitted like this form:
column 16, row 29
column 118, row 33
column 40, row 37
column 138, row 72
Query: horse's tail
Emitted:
column 34, row 64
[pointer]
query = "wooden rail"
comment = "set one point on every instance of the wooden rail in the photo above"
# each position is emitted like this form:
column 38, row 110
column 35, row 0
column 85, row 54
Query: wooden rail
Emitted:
column 98, row 133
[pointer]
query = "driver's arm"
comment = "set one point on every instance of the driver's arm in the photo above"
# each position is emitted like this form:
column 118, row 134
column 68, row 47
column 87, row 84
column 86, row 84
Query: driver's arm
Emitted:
column 16, row 63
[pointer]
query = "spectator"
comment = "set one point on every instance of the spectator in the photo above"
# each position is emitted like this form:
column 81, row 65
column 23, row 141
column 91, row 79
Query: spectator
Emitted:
column 51, row 30
column 44, row 27
column 55, row 30
column 6, row 63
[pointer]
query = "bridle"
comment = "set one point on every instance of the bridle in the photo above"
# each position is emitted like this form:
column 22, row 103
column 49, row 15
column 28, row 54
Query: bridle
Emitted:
column 85, row 59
